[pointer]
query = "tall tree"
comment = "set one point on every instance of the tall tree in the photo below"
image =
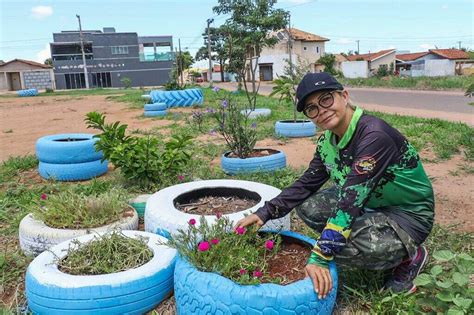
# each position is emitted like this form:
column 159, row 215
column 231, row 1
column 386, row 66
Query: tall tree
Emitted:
column 217, row 41
column 247, row 32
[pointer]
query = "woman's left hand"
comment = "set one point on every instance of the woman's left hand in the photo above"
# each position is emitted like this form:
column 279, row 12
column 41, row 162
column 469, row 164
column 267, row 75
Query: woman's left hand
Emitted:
column 321, row 278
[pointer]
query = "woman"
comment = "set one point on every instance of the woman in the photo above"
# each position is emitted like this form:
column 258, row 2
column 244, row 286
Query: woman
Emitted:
column 381, row 207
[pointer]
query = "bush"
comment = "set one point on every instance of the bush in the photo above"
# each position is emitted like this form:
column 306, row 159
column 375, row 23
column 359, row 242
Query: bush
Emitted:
column 127, row 82
column 382, row 71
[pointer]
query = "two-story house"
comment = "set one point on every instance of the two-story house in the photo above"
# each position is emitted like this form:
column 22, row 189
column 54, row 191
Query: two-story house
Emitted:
column 110, row 57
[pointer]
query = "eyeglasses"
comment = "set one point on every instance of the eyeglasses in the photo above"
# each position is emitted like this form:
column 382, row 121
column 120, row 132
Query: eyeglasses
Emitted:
column 325, row 101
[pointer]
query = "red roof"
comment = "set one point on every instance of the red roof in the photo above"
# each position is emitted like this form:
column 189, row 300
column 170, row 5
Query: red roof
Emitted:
column 411, row 56
column 31, row 63
column 450, row 53
column 371, row 56
column 297, row 34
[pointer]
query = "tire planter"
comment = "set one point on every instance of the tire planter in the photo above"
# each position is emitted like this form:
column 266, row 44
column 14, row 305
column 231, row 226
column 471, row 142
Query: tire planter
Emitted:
column 139, row 204
column 253, row 164
column 69, row 157
column 291, row 129
column 155, row 113
column 162, row 217
column 257, row 112
column 198, row 292
column 182, row 98
column 155, row 106
column 35, row 236
column 146, row 96
column 28, row 92
column 135, row 291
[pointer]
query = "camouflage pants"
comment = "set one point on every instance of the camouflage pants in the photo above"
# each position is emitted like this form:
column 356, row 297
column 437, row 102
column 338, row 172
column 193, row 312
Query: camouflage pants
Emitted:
column 376, row 242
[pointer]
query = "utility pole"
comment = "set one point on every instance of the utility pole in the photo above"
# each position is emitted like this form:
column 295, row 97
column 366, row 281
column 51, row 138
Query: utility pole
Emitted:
column 357, row 46
column 209, row 75
column 290, row 44
column 86, row 76
column 181, row 61
column 459, row 45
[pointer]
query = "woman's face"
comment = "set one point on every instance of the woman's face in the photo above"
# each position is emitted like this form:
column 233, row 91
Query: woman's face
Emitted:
column 330, row 107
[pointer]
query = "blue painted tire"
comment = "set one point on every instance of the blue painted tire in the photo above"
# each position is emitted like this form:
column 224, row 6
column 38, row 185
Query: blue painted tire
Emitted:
column 155, row 113
column 254, row 164
column 257, row 112
column 135, row 291
column 198, row 292
column 72, row 172
column 28, row 92
column 288, row 128
column 155, row 106
column 182, row 98
column 51, row 149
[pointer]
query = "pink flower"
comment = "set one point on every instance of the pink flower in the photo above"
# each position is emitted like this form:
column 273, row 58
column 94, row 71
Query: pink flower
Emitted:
column 257, row 274
column 180, row 178
column 269, row 244
column 215, row 241
column 44, row 196
column 204, row 246
column 242, row 271
column 240, row 230
column 192, row 221
column 218, row 215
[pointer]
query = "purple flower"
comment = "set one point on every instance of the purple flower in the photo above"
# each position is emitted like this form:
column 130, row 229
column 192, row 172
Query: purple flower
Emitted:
column 253, row 125
column 242, row 271
column 218, row 215
column 215, row 89
column 44, row 197
column 209, row 110
column 257, row 274
column 212, row 132
column 269, row 244
column 214, row 241
column 180, row 178
column 225, row 103
column 204, row 246
column 192, row 221
column 240, row 230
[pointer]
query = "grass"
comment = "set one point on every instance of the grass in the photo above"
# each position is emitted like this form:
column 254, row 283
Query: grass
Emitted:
column 417, row 83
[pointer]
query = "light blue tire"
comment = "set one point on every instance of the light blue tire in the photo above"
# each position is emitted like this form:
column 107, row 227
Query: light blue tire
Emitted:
column 72, row 172
column 290, row 129
column 53, row 148
column 28, row 92
column 253, row 164
column 178, row 98
column 156, row 106
column 256, row 113
column 135, row 291
column 198, row 292
column 155, row 113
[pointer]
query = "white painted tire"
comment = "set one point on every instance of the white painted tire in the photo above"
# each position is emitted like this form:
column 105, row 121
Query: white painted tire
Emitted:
column 257, row 112
column 134, row 291
column 163, row 218
column 35, row 236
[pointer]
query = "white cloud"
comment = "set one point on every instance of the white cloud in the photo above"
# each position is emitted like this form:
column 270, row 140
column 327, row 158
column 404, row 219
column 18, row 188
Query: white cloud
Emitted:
column 43, row 54
column 427, row 46
column 41, row 11
column 344, row 41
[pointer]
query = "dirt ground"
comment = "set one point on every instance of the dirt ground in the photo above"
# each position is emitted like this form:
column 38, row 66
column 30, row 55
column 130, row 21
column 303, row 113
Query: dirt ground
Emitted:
column 24, row 120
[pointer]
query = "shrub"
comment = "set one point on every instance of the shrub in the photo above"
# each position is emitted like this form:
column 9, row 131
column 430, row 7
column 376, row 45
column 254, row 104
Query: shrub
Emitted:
column 127, row 82
column 142, row 160
column 382, row 71
column 239, row 255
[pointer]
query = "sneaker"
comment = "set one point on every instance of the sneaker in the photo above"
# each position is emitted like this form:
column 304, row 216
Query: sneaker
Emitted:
column 403, row 275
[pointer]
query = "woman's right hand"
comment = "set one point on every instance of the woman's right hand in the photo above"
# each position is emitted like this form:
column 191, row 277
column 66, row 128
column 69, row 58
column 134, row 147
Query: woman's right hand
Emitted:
column 249, row 220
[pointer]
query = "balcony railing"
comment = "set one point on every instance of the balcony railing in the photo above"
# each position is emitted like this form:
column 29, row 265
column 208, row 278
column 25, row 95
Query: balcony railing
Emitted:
column 165, row 56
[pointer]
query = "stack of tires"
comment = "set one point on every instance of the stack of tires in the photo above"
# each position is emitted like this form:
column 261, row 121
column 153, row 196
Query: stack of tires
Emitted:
column 178, row 98
column 28, row 92
column 156, row 110
column 69, row 157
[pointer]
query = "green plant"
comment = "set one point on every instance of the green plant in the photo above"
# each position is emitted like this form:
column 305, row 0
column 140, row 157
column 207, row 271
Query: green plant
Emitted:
column 328, row 61
column 285, row 88
column 142, row 160
column 239, row 255
column 127, row 82
column 70, row 210
column 382, row 71
column 446, row 288
column 109, row 253
column 234, row 126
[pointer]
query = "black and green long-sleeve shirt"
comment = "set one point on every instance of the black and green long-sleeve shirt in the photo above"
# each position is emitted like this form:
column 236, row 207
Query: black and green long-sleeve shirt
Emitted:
column 372, row 166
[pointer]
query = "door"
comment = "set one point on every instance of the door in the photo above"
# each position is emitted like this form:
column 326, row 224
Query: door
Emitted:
column 15, row 81
column 266, row 72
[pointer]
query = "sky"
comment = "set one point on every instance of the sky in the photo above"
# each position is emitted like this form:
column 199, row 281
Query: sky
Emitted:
column 26, row 26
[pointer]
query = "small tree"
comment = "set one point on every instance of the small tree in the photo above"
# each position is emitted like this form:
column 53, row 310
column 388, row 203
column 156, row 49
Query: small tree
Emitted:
column 328, row 61
column 127, row 82
column 217, row 38
column 382, row 71
column 48, row 62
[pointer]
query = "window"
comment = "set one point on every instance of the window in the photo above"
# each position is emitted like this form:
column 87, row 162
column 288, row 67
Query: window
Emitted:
column 304, row 48
column 317, row 49
column 119, row 50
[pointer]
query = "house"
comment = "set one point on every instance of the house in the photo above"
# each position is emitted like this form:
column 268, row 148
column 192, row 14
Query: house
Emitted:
column 110, row 57
column 434, row 62
column 365, row 65
column 305, row 46
column 19, row 74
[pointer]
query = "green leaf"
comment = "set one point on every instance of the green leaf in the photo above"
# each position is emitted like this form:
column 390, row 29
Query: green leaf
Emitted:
column 462, row 302
column 444, row 284
column 423, row 280
column 445, row 296
column 460, row 279
column 436, row 270
column 454, row 311
column 443, row 255
column 465, row 257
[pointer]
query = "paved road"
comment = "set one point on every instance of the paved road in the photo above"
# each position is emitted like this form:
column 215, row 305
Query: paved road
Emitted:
column 450, row 105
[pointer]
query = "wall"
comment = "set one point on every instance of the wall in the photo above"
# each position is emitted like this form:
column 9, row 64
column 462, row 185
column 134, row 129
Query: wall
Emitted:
column 355, row 69
column 37, row 79
column 436, row 68
column 385, row 60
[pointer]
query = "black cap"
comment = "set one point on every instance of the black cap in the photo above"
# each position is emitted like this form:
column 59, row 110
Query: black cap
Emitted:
column 314, row 82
